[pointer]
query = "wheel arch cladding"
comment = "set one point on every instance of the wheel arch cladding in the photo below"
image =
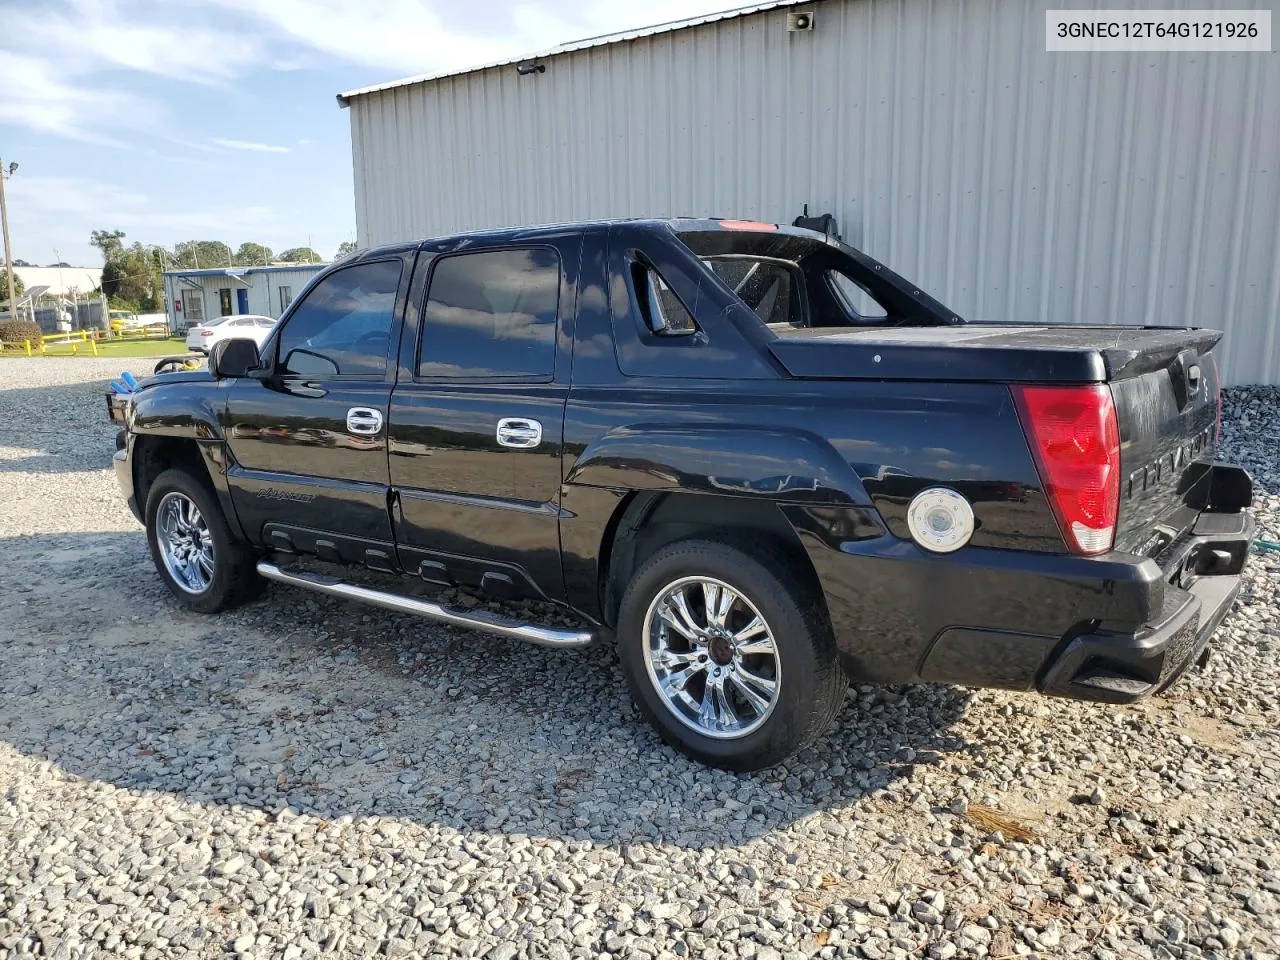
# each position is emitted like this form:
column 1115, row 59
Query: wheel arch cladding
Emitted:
column 152, row 455
column 646, row 522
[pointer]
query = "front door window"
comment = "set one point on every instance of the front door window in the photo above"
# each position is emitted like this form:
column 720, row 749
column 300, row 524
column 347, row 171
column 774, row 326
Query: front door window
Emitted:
column 341, row 326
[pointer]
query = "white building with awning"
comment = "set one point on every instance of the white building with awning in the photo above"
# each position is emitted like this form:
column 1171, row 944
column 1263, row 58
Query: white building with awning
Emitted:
column 197, row 295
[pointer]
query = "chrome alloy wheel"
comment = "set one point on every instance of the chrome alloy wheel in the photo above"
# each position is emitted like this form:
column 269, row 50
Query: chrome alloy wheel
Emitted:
column 184, row 541
column 711, row 657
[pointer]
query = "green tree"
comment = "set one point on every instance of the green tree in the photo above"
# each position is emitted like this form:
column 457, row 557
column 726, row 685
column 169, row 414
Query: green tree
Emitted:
column 345, row 249
column 110, row 242
column 132, row 276
column 18, row 286
column 201, row 255
column 300, row 255
column 253, row 255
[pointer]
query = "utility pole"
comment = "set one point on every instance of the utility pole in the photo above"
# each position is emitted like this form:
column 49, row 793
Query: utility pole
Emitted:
column 8, row 253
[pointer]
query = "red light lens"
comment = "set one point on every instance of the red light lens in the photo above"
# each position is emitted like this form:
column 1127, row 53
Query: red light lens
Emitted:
column 1075, row 439
column 206, row 333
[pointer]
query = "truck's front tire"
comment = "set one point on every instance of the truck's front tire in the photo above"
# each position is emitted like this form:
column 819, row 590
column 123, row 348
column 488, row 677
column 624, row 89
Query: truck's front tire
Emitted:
column 201, row 562
column 729, row 657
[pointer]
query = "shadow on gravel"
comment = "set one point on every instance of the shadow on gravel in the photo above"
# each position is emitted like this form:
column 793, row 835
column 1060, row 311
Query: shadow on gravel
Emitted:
column 337, row 709
column 52, row 461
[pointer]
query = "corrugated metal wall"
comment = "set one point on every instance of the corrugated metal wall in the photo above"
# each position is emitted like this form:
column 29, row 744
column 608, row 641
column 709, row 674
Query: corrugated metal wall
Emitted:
column 1012, row 183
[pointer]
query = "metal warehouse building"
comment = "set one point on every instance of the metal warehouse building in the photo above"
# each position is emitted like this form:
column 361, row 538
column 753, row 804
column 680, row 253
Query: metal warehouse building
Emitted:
column 1012, row 183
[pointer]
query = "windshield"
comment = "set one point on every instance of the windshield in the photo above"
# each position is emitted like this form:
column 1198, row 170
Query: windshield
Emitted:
column 215, row 321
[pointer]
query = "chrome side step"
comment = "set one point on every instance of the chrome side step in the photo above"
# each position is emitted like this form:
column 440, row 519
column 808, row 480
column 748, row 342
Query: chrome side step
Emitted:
column 456, row 616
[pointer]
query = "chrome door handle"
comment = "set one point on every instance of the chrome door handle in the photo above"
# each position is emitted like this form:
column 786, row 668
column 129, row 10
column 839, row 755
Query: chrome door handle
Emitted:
column 365, row 421
column 519, row 432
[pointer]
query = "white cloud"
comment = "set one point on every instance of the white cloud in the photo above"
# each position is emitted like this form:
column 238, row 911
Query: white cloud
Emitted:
column 250, row 145
column 66, row 84
column 35, row 97
column 141, row 37
column 407, row 35
column 65, row 210
column 421, row 36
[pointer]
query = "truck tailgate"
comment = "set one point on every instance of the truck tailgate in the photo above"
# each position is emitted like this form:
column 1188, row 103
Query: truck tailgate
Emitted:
column 1168, row 421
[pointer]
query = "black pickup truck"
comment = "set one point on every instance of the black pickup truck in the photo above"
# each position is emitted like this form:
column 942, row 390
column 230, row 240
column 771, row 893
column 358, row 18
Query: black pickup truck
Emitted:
column 759, row 461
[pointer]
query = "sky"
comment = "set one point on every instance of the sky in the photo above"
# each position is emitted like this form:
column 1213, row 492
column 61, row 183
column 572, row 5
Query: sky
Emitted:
column 217, row 119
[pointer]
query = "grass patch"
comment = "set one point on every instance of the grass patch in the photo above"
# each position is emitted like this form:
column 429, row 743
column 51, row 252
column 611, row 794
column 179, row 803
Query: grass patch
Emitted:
column 135, row 347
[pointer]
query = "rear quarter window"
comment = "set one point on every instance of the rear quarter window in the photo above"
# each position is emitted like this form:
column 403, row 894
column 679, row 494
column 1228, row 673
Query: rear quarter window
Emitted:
column 851, row 295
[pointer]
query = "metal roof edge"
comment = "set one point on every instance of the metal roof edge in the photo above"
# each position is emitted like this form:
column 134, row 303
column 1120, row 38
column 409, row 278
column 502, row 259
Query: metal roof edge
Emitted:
column 606, row 39
column 237, row 271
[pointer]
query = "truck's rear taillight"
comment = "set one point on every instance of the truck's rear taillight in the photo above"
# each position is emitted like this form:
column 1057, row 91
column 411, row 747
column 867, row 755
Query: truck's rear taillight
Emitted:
column 1075, row 439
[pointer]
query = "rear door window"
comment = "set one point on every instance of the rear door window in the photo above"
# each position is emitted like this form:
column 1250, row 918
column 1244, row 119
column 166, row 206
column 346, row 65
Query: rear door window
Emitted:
column 492, row 314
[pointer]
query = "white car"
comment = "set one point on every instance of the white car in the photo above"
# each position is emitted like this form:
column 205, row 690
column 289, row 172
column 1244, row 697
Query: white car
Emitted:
column 203, row 336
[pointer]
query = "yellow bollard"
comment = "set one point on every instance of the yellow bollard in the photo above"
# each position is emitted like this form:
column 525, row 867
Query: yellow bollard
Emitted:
column 28, row 345
column 93, row 345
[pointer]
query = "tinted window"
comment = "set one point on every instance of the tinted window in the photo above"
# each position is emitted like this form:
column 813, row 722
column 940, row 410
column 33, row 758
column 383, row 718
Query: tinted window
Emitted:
column 492, row 314
column 662, row 310
column 854, row 298
column 341, row 326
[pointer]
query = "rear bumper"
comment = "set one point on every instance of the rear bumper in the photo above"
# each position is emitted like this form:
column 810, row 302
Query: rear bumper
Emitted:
column 1123, row 666
column 1112, row 628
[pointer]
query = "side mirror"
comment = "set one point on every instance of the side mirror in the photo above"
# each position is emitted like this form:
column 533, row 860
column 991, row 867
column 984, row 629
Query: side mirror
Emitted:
column 233, row 358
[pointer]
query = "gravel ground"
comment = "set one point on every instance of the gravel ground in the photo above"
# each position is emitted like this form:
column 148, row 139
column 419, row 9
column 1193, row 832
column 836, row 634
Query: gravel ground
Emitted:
column 308, row 777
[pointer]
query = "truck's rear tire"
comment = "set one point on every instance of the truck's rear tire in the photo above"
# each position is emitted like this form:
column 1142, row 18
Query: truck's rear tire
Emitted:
column 201, row 562
column 730, row 658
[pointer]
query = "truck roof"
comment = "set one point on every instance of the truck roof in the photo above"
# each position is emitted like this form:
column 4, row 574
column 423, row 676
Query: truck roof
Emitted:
column 527, row 232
